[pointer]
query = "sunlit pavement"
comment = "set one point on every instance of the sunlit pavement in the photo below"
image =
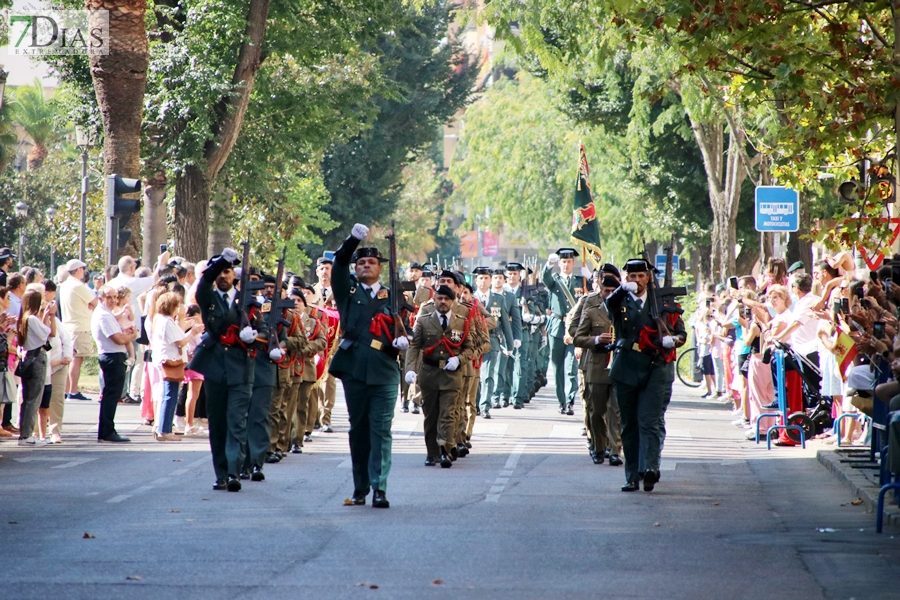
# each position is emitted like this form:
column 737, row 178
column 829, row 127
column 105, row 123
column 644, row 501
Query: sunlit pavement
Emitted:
column 526, row 515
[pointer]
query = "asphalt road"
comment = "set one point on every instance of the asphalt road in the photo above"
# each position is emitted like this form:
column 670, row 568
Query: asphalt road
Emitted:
column 527, row 515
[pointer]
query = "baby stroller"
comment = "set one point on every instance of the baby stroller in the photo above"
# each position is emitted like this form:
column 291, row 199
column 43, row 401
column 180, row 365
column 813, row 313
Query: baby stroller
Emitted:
column 816, row 416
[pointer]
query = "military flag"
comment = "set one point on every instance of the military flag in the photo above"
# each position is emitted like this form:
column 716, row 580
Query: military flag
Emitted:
column 585, row 227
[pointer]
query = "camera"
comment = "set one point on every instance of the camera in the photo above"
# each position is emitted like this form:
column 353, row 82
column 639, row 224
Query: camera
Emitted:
column 878, row 330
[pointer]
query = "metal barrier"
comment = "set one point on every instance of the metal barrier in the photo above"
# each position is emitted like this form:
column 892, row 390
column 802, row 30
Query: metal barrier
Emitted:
column 796, row 428
column 879, row 521
column 841, row 417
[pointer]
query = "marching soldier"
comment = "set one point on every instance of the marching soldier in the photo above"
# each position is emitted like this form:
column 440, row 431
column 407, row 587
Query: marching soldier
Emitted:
column 324, row 392
column 225, row 359
column 642, row 372
column 522, row 372
column 441, row 344
column 562, row 287
column 366, row 364
column 306, row 341
column 483, row 324
column 593, row 336
column 495, row 304
column 504, row 393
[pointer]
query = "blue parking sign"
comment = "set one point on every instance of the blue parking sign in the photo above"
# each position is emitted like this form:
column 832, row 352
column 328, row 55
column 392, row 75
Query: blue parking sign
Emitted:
column 777, row 209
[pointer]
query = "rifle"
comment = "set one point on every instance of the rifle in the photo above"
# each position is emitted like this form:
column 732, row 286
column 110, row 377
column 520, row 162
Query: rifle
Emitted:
column 244, row 298
column 662, row 299
column 278, row 304
column 397, row 301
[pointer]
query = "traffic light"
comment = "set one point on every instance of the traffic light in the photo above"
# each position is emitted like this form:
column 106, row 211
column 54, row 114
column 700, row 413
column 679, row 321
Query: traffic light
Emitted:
column 119, row 211
column 849, row 192
column 883, row 184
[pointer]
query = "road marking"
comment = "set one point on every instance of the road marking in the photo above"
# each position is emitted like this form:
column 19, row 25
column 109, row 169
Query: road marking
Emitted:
column 402, row 430
column 160, row 481
column 485, row 428
column 118, row 498
column 68, row 461
column 493, row 494
column 347, row 464
column 566, row 431
column 679, row 434
column 667, row 465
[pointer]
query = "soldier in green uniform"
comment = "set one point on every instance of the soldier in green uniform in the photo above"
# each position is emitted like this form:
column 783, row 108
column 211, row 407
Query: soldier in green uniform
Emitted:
column 366, row 363
column 501, row 336
column 503, row 389
column 225, row 360
column 522, row 368
column 643, row 371
column 562, row 287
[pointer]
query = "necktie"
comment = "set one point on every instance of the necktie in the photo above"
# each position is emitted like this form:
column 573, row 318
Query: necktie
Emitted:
column 640, row 303
column 369, row 291
column 444, row 322
column 224, row 297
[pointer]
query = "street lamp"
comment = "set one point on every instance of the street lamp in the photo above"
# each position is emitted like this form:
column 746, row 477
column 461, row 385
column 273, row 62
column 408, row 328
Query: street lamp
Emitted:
column 3, row 76
column 22, row 213
column 51, row 212
column 84, row 139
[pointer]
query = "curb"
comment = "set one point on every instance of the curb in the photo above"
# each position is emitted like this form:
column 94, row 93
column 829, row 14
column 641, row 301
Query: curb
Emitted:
column 860, row 485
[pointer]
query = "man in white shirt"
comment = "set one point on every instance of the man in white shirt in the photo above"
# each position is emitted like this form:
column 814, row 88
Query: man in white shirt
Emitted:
column 138, row 285
column 802, row 328
column 77, row 301
column 111, row 342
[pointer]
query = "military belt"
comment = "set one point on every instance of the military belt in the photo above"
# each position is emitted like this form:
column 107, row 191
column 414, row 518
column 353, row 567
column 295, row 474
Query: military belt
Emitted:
column 440, row 364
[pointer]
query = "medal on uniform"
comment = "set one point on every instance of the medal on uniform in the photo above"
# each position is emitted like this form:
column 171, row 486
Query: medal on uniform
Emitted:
column 455, row 336
column 496, row 312
column 382, row 294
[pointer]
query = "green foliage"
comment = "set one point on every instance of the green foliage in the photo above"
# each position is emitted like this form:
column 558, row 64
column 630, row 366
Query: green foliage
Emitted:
column 429, row 82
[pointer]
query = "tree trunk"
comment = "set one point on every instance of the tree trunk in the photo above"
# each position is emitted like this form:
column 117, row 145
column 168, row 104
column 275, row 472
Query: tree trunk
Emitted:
column 155, row 212
column 192, row 213
column 36, row 157
column 119, row 81
column 219, row 226
column 799, row 248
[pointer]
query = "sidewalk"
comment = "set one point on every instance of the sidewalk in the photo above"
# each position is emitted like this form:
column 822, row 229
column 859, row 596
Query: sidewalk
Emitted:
column 852, row 467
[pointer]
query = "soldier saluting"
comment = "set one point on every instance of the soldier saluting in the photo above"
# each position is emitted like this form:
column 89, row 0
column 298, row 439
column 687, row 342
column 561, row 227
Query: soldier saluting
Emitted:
column 366, row 363
column 562, row 287
column 643, row 370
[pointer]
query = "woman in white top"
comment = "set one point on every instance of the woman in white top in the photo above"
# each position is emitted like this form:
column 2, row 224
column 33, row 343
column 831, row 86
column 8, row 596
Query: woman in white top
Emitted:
column 166, row 343
column 60, row 355
column 35, row 328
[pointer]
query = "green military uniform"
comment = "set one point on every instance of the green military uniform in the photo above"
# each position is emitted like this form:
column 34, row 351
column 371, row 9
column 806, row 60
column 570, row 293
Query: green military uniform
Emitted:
column 540, row 350
column 522, row 368
column 562, row 291
column 503, row 393
column 642, row 373
column 501, row 337
column 366, row 364
column 228, row 371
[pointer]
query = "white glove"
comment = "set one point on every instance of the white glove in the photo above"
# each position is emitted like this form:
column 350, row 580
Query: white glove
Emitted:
column 360, row 231
column 586, row 273
column 596, row 340
column 410, row 377
column 401, row 343
column 230, row 254
column 553, row 259
column 248, row 334
column 276, row 354
column 452, row 363
column 668, row 342
column 517, row 344
column 317, row 359
column 630, row 286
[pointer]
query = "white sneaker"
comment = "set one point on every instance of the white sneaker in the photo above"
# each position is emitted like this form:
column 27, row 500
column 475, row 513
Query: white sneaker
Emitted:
column 55, row 439
column 740, row 422
column 179, row 423
column 751, row 434
column 43, row 442
column 31, row 441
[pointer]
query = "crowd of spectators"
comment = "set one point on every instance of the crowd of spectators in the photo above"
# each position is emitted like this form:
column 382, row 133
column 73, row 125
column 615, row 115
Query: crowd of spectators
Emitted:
column 835, row 323
column 131, row 318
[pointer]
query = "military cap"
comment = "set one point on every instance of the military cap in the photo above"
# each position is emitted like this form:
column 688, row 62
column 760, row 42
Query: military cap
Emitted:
column 797, row 266
column 426, row 272
column 567, row 253
column 297, row 281
column 6, row 253
column 610, row 268
column 482, row 271
column 323, row 260
column 447, row 273
column 413, row 265
column 460, row 277
column 432, row 267
column 500, row 272
column 514, row 266
column 268, row 278
column 446, row 291
column 637, row 265
column 368, row 253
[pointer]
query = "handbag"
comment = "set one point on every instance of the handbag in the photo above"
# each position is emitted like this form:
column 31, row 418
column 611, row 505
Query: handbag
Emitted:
column 25, row 368
column 173, row 370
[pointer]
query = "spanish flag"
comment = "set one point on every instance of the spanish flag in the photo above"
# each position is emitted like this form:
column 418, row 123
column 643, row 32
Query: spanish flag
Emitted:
column 844, row 350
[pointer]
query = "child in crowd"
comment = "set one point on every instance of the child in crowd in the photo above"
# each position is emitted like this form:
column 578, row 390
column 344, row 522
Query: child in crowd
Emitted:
column 125, row 317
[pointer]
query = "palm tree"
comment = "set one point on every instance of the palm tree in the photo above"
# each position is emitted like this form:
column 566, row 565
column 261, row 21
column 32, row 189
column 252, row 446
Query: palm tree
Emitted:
column 35, row 115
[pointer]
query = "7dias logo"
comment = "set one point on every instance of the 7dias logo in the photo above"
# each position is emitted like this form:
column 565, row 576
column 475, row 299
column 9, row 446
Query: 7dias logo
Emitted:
column 53, row 32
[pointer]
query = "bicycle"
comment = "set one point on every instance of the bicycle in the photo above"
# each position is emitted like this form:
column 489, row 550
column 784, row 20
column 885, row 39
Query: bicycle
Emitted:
column 688, row 369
